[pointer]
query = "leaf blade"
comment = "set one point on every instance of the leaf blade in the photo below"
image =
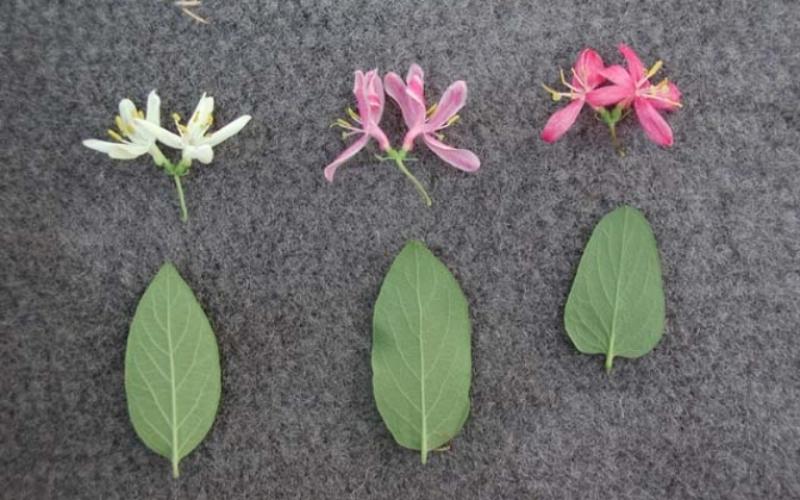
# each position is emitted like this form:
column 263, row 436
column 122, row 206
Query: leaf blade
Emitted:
column 421, row 354
column 616, row 304
column 172, row 371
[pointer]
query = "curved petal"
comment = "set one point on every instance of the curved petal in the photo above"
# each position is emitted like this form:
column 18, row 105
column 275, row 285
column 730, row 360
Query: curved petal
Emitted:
column 345, row 155
column 561, row 121
column 608, row 95
column 396, row 88
column 588, row 67
column 415, row 82
column 462, row 159
column 415, row 71
column 618, row 75
column 635, row 66
column 164, row 136
column 116, row 150
column 359, row 88
column 227, row 131
column 97, row 145
column 413, row 111
column 127, row 110
column 154, row 108
column 451, row 102
column 654, row 125
column 375, row 96
column 202, row 153
column 127, row 151
column 204, row 108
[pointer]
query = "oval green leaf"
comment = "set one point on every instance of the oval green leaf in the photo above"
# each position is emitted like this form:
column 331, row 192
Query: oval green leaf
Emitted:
column 172, row 373
column 616, row 305
column 421, row 352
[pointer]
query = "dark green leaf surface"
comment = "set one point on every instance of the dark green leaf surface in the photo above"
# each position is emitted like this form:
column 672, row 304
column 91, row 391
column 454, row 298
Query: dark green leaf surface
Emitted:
column 616, row 305
column 421, row 358
column 172, row 373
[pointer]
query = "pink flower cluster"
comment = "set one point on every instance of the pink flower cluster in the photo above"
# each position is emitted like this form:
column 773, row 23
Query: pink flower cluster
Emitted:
column 421, row 121
column 612, row 90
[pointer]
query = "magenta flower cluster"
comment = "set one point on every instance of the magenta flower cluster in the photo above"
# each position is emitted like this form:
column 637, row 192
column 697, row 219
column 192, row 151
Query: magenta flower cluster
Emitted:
column 611, row 91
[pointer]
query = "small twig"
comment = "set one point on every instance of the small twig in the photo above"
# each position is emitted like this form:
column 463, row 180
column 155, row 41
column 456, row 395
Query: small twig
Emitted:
column 187, row 5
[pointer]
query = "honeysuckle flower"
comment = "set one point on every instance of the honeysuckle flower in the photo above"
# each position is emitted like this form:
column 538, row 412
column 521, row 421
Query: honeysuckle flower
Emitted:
column 428, row 123
column 137, row 134
column 632, row 86
column 132, row 140
column 586, row 76
column 370, row 100
column 193, row 138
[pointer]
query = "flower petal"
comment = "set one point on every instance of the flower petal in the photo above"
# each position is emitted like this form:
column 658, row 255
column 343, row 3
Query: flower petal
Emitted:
column 227, row 131
column 164, row 136
column 561, row 121
column 610, row 94
column 358, row 92
column 415, row 81
column 128, row 151
column 116, row 150
column 451, row 102
column 127, row 110
column 653, row 123
column 618, row 75
column 345, row 155
column 588, row 67
column 413, row 111
column 375, row 95
column 204, row 108
column 202, row 153
column 635, row 66
column 97, row 145
column 154, row 108
column 462, row 159
column 415, row 71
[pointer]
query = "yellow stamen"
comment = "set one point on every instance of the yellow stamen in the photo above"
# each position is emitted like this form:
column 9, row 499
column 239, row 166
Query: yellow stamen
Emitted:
column 177, row 119
column 140, row 114
column 556, row 95
column 654, row 69
column 431, row 110
column 453, row 119
column 114, row 135
column 564, row 80
column 352, row 114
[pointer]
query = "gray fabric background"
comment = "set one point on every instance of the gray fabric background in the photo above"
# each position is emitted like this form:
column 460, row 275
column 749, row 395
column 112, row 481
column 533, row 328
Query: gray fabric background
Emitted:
column 288, row 267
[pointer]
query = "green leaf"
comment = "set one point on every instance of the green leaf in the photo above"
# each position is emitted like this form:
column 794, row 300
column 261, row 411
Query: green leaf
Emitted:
column 616, row 305
column 421, row 359
column 172, row 374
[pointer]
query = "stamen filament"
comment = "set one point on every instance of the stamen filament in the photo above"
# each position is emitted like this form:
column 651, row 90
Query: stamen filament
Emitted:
column 556, row 95
column 566, row 84
column 577, row 77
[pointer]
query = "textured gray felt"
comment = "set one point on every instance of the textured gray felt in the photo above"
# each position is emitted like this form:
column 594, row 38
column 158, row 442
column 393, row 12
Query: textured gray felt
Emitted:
column 288, row 267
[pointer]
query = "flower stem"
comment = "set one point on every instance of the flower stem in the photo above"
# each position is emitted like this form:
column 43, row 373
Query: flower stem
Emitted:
column 398, row 157
column 612, row 127
column 179, row 187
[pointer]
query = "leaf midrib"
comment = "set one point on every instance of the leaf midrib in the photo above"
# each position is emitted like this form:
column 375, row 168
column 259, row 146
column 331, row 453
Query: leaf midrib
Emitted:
column 612, row 337
column 423, row 410
column 172, row 386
